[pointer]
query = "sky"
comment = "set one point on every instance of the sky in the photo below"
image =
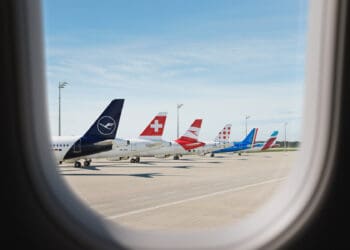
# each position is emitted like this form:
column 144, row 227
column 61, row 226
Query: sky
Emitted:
column 223, row 60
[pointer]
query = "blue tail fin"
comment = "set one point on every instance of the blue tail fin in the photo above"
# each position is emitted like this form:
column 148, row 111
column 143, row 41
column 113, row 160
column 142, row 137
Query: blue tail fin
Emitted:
column 274, row 133
column 250, row 138
column 106, row 125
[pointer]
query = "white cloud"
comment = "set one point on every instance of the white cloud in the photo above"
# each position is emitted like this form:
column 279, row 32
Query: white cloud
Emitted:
column 153, row 76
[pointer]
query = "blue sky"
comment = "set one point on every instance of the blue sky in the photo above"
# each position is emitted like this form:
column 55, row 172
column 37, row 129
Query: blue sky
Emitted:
column 221, row 59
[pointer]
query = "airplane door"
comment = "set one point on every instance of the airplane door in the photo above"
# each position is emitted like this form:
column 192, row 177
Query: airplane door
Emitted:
column 77, row 146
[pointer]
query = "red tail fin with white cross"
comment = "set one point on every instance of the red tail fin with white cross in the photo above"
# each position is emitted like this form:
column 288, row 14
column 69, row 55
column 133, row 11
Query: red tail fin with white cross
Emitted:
column 155, row 128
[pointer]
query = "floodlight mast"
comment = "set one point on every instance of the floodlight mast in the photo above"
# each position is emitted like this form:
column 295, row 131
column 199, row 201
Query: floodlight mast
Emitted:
column 246, row 127
column 178, row 107
column 61, row 85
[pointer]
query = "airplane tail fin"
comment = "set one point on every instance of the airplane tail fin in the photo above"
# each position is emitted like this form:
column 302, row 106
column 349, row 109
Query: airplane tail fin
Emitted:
column 250, row 138
column 224, row 134
column 269, row 143
column 106, row 125
column 192, row 133
column 155, row 128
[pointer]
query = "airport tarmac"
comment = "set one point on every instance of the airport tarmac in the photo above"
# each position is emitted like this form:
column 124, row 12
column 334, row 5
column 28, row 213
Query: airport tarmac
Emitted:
column 195, row 192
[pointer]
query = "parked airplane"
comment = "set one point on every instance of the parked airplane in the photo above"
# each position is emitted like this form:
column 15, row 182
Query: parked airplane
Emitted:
column 267, row 144
column 244, row 145
column 222, row 140
column 181, row 145
column 149, row 139
column 98, row 138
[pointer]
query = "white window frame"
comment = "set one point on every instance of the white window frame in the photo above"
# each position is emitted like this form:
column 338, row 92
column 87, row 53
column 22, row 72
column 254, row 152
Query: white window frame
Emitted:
column 271, row 226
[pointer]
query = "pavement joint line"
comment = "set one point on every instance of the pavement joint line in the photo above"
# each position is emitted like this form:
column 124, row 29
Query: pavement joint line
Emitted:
column 194, row 198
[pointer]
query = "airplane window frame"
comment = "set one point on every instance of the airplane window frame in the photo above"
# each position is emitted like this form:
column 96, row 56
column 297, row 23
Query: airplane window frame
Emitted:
column 321, row 114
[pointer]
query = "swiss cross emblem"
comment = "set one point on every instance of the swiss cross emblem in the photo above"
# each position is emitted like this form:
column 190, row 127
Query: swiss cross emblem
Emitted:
column 156, row 126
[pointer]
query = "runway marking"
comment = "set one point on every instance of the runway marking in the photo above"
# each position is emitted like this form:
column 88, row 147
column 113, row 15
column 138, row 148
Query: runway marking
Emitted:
column 194, row 198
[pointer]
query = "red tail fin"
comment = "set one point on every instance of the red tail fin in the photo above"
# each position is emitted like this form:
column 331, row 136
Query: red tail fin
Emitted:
column 190, row 139
column 155, row 128
column 192, row 133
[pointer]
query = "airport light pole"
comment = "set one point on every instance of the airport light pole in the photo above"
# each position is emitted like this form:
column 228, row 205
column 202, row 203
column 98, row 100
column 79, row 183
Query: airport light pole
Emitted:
column 246, row 118
column 285, row 136
column 60, row 86
column 178, row 107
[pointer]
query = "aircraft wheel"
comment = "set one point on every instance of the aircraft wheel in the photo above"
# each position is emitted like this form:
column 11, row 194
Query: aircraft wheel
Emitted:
column 87, row 163
column 176, row 157
column 132, row 160
column 137, row 159
column 239, row 153
column 212, row 155
column 77, row 164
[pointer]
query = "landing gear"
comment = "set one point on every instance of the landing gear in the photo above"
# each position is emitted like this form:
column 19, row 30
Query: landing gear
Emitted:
column 176, row 157
column 87, row 163
column 135, row 160
column 239, row 153
column 212, row 155
column 77, row 164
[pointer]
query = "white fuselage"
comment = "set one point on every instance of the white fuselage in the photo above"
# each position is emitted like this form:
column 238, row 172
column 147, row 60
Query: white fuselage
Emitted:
column 123, row 149
column 209, row 147
column 61, row 144
column 173, row 148
column 168, row 149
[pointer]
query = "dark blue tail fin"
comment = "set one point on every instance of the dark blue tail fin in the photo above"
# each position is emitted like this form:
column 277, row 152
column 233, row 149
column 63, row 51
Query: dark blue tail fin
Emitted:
column 250, row 138
column 106, row 125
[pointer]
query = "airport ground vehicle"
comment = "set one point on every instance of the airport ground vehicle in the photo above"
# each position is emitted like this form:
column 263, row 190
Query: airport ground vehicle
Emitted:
column 34, row 222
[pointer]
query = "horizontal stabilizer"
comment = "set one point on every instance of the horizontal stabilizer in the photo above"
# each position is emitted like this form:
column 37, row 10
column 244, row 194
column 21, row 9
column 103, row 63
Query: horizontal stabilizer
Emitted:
column 104, row 143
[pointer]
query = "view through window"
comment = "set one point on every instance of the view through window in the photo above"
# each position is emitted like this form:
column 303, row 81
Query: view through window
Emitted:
column 175, row 114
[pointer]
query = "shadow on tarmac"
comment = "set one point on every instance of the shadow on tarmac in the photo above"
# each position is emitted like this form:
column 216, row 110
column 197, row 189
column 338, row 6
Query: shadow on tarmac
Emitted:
column 184, row 167
column 142, row 175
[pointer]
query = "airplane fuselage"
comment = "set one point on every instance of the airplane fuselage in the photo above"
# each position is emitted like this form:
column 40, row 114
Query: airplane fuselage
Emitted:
column 74, row 148
column 235, row 147
column 209, row 147
column 174, row 148
column 70, row 148
column 123, row 149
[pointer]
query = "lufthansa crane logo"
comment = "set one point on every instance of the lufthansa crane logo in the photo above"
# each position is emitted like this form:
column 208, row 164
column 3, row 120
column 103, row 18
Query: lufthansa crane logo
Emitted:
column 106, row 125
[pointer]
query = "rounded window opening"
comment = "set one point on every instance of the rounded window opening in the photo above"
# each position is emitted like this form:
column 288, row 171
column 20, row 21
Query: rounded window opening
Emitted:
column 175, row 114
